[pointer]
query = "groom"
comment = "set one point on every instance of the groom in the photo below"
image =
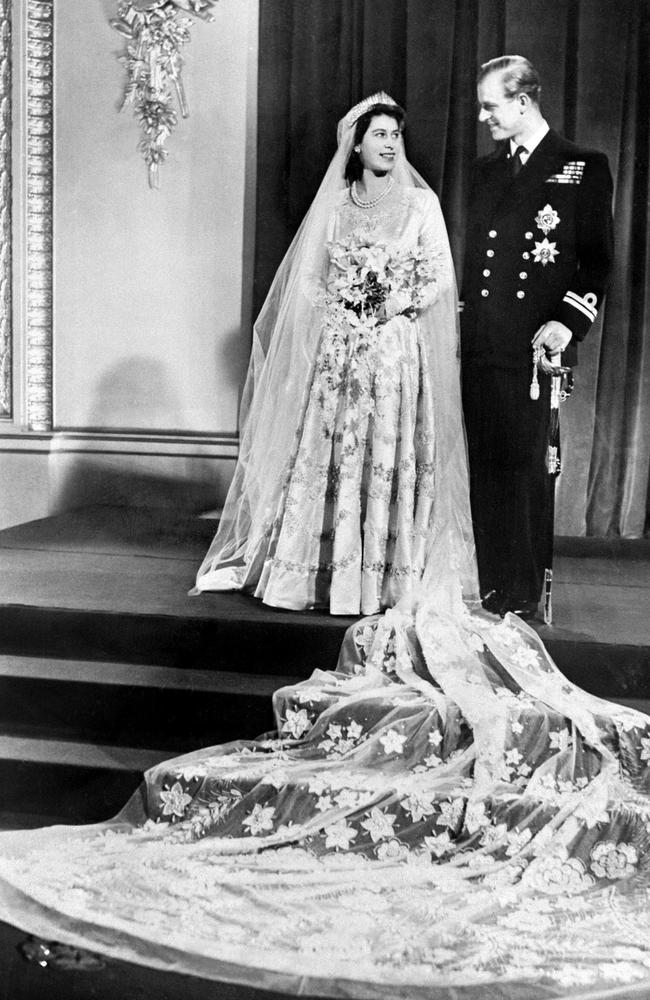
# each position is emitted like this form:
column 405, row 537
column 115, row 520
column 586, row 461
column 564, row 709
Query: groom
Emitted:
column 538, row 255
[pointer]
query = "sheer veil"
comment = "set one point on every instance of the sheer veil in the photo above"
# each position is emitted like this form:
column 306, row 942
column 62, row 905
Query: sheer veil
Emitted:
column 284, row 349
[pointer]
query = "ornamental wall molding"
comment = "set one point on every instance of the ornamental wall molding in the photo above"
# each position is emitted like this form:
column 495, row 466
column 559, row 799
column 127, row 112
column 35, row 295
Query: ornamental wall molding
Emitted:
column 211, row 447
column 6, row 243
column 38, row 238
column 156, row 31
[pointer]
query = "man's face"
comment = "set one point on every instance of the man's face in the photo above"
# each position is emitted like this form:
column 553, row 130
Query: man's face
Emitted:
column 500, row 113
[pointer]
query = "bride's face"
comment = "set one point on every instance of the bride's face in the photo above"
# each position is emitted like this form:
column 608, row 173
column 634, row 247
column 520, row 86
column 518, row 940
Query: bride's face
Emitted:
column 378, row 148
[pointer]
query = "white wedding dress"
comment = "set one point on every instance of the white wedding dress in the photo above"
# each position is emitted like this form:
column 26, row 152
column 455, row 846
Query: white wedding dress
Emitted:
column 354, row 517
column 351, row 477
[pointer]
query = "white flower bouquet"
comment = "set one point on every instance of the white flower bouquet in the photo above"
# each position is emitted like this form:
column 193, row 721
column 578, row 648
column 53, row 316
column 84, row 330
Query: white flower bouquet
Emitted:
column 375, row 283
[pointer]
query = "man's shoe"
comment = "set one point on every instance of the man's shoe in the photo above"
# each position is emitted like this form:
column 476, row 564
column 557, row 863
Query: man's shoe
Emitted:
column 494, row 602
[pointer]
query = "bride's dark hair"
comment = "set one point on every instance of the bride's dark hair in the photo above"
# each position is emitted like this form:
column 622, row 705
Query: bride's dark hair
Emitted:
column 354, row 166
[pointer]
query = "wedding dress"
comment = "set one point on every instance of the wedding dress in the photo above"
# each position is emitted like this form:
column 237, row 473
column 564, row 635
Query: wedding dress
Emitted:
column 366, row 451
column 442, row 816
column 352, row 457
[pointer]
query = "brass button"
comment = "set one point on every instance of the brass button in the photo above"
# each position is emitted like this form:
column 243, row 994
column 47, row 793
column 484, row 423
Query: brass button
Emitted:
column 484, row 293
column 489, row 253
column 529, row 236
column 520, row 294
column 487, row 272
column 523, row 275
column 526, row 255
column 493, row 233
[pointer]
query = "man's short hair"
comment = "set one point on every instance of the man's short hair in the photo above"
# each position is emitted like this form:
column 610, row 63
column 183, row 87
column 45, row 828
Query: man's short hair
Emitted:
column 519, row 76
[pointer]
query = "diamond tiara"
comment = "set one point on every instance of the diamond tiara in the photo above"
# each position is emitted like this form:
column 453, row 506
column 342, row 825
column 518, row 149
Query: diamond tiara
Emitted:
column 354, row 114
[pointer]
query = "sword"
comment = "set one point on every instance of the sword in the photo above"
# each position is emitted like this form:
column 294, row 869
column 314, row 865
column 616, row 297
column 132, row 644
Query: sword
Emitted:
column 561, row 387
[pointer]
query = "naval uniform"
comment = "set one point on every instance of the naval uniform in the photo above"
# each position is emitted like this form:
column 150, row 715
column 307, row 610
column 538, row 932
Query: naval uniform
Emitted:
column 539, row 248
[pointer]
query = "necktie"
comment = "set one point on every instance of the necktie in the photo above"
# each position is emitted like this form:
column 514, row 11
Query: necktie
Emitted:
column 515, row 160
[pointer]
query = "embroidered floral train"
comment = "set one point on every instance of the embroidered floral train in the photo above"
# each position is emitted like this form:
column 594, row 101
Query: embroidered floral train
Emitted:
column 442, row 812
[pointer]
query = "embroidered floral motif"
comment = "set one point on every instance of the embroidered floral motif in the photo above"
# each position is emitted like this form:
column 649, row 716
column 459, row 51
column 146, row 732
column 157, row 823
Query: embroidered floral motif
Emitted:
column 559, row 739
column 340, row 836
column 557, row 873
column 175, row 800
column 614, row 861
column 439, row 844
column 418, row 807
column 393, row 742
column 517, row 839
column 392, row 850
column 450, row 813
column 379, row 824
column 260, row 819
column 296, row 723
column 364, row 638
column 340, row 739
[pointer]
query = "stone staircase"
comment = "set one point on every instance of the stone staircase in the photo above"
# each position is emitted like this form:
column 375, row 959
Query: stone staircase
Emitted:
column 108, row 667
column 77, row 734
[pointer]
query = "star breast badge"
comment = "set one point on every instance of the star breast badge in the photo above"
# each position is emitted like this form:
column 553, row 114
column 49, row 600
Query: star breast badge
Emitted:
column 545, row 253
column 547, row 219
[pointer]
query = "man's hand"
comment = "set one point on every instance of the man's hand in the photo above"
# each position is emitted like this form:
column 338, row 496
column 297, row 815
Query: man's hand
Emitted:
column 554, row 337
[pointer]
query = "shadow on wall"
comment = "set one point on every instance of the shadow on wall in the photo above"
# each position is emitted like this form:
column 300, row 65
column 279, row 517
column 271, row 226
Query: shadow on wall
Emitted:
column 231, row 357
column 136, row 396
column 121, row 481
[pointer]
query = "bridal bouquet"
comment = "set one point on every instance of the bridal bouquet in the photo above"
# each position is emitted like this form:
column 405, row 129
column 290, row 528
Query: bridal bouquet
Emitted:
column 374, row 283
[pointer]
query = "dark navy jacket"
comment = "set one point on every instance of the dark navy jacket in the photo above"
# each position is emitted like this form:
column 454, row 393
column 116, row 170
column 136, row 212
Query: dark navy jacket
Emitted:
column 539, row 247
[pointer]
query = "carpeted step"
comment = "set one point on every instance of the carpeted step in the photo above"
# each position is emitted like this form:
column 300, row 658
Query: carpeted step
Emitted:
column 69, row 781
column 77, row 735
column 233, row 639
column 111, row 584
column 247, row 638
column 137, row 705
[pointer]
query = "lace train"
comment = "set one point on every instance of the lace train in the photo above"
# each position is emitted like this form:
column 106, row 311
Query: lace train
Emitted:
column 443, row 813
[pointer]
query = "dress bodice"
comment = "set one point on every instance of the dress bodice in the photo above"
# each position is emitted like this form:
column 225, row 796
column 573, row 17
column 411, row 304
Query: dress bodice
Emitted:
column 399, row 220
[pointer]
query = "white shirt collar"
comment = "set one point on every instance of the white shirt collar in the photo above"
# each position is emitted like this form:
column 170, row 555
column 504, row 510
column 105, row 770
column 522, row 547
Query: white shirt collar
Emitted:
column 532, row 143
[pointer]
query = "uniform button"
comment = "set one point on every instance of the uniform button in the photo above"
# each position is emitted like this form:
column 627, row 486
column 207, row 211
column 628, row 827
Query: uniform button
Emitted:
column 522, row 274
column 520, row 294
column 487, row 272
column 493, row 233
column 526, row 255
column 529, row 236
column 484, row 293
column 489, row 253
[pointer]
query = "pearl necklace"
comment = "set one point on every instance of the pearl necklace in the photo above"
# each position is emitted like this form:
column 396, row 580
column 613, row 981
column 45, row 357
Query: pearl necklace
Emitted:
column 360, row 203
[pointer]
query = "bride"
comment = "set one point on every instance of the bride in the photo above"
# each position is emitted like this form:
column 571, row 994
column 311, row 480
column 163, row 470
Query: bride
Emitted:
column 444, row 815
column 352, row 451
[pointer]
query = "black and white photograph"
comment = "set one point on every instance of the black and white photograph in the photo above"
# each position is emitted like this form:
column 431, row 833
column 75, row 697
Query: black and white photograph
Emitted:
column 324, row 499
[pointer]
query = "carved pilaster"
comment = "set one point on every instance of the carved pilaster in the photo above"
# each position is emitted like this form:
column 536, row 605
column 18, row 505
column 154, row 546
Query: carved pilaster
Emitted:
column 40, row 51
column 5, row 211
